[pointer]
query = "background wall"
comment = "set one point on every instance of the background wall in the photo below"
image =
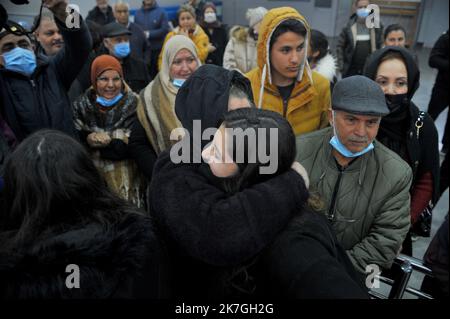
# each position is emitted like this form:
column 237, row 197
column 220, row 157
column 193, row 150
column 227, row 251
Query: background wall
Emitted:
column 434, row 15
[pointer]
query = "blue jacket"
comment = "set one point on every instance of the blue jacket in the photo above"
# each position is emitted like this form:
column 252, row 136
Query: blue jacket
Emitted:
column 154, row 20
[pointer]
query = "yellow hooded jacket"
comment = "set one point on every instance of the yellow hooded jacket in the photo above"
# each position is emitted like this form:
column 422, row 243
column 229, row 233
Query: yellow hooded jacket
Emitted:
column 307, row 108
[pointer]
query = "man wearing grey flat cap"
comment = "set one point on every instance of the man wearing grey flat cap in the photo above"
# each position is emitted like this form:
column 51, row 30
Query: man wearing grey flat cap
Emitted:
column 363, row 185
column 116, row 42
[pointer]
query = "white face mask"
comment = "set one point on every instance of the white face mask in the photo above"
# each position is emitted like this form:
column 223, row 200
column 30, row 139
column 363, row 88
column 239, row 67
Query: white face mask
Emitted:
column 210, row 17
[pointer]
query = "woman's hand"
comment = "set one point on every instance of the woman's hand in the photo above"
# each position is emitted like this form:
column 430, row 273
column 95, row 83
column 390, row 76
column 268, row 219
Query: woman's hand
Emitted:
column 57, row 7
column 184, row 32
column 98, row 140
column 211, row 48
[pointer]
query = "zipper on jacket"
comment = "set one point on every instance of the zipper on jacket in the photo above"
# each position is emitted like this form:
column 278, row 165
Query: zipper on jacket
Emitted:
column 333, row 198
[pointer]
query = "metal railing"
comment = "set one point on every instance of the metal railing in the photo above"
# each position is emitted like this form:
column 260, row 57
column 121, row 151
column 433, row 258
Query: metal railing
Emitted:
column 402, row 269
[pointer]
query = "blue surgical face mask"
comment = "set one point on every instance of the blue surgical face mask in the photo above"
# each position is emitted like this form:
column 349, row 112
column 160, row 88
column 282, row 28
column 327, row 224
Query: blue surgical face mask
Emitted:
column 362, row 13
column 108, row 103
column 178, row 82
column 122, row 50
column 338, row 146
column 20, row 60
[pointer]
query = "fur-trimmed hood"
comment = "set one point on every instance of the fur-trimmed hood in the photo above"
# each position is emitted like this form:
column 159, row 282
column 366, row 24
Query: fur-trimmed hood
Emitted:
column 327, row 67
column 240, row 33
column 109, row 258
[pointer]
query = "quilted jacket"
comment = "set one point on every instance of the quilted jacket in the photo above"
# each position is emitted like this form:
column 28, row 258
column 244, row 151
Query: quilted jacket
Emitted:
column 367, row 203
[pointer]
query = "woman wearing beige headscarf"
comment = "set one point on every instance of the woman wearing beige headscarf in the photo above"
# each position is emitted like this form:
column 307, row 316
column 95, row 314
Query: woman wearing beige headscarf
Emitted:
column 156, row 117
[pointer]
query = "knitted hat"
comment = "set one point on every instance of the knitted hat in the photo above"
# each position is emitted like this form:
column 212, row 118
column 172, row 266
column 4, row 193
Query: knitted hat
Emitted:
column 255, row 15
column 103, row 63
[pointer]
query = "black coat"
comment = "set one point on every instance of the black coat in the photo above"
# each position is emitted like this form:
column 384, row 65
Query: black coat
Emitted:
column 138, row 43
column 97, row 16
column 135, row 71
column 422, row 150
column 141, row 150
column 219, row 39
column 30, row 104
column 439, row 59
column 306, row 261
column 210, row 232
column 122, row 260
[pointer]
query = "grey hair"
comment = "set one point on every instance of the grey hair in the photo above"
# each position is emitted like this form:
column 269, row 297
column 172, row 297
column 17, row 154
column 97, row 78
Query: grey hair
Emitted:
column 122, row 2
column 46, row 15
column 237, row 93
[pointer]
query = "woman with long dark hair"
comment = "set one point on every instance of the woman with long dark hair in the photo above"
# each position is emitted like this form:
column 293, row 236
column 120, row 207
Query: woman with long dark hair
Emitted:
column 58, row 212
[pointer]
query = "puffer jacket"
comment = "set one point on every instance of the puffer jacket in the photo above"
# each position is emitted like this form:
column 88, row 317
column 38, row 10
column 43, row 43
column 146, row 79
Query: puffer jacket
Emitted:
column 306, row 109
column 200, row 39
column 240, row 53
column 367, row 203
column 345, row 47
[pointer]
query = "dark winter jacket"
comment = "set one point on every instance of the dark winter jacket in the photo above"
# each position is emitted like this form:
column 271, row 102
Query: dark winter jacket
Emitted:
column 97, row 16
column 138, row 43
column 439, row 57
column 154, row 20
column 219, row 39
column 121, row 260
column 398, row 131
column 40, row 101
column 307, row 262
column 136, row 73
column 346, row 43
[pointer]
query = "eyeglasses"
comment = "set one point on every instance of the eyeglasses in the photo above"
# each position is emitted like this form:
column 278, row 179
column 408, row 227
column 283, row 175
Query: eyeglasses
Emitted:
column 105, row 80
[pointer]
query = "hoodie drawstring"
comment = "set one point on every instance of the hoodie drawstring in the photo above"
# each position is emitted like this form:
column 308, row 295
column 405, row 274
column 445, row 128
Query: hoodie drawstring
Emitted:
column 261, row 89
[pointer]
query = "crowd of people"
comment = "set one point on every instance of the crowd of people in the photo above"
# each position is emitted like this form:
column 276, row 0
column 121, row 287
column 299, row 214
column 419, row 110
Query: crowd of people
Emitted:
column 102, row 166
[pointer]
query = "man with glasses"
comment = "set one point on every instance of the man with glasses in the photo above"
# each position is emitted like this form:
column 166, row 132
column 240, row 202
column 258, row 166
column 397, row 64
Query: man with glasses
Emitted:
column 33, row 94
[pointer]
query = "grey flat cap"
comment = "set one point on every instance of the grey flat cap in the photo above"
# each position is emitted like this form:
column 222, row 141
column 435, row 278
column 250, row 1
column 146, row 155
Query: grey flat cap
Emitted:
column 114, row 29
column 359, row 95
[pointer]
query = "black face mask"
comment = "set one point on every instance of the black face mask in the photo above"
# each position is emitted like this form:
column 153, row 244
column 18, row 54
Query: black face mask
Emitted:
column 396, row 102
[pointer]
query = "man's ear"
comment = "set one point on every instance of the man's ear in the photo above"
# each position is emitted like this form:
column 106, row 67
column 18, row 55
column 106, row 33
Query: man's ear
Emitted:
column 330, row 116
